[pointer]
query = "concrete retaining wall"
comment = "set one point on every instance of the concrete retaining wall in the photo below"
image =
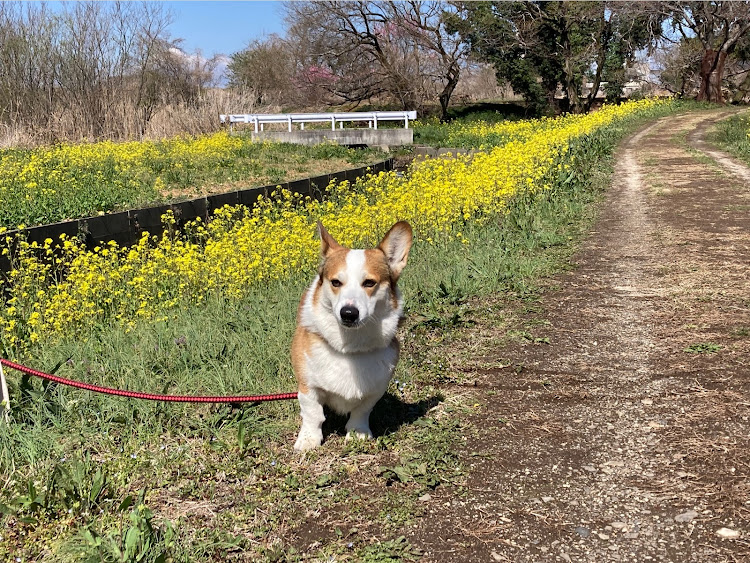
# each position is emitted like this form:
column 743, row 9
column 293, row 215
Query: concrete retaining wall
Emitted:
column 384, row 138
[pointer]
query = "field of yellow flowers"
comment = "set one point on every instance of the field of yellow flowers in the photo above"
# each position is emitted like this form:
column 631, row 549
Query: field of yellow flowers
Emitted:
column 61, row 288
column 485, row 134
column 50, row 184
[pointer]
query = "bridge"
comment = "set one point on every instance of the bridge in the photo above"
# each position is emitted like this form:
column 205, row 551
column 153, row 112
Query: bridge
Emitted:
column 371, row 135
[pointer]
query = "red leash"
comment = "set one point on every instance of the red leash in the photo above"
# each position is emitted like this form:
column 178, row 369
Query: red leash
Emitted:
column 147, row 396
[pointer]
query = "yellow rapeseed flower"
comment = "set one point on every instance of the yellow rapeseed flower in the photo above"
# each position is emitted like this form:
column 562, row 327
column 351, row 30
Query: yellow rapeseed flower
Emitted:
column 75, row 288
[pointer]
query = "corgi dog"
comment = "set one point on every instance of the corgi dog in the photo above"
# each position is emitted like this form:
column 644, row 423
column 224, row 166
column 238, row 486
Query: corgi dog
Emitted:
column 345, row 349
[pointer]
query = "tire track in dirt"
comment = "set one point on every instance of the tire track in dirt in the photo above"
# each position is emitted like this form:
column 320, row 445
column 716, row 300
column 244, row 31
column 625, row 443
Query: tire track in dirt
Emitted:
column 627, row 438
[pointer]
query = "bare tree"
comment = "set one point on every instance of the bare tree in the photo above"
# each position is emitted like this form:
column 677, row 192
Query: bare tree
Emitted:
column 719, row 26
column 146, row 43
column 28, row 47
column 425, row 23
column 738, row 74
column 679, row 66
column 266, row 68
column 347, row 41
column 371, row 49
column 95, row 70
column 108, row 58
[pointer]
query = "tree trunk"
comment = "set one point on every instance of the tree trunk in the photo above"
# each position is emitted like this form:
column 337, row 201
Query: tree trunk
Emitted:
column 601, row 59
column 445, row 95
column 742, row 90
column 570, row 86
column 571, row 89
column 712, row 71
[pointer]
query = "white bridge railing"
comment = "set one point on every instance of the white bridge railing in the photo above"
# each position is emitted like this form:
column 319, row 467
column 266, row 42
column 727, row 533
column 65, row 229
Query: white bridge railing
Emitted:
column 371, row 117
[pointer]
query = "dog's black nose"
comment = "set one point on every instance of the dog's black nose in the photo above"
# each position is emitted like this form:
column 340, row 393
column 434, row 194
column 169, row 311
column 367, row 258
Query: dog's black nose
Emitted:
column 349, row 315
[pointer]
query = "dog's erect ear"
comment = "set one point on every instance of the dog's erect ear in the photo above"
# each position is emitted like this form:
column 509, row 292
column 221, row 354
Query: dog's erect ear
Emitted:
column 327, row 243
column 396, row 245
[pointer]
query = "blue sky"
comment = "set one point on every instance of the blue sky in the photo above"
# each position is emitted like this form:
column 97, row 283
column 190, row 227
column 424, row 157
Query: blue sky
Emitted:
column 222, row 26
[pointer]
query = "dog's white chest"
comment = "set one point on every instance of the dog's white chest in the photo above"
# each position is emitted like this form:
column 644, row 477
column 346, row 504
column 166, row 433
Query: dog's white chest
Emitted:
column 347, row 379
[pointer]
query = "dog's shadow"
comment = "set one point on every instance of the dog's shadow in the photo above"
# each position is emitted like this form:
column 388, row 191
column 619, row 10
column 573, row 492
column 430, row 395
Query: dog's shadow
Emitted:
column 390, row 414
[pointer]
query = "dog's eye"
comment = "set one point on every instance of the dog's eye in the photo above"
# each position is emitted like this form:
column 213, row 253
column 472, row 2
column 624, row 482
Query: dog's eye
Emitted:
column 369, row 283
column 336, row 283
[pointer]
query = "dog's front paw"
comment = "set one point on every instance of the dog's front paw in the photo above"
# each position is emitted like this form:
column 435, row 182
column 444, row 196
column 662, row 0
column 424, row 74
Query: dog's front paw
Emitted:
column 360, row 434
column 307, row 441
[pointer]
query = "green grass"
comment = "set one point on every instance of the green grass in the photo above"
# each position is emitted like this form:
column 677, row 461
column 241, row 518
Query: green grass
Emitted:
column 732, row 135
column 93, row 478
column 703, row 348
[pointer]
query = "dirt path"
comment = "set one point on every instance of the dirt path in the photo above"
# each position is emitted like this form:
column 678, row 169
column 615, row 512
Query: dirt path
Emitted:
column 626, row 437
